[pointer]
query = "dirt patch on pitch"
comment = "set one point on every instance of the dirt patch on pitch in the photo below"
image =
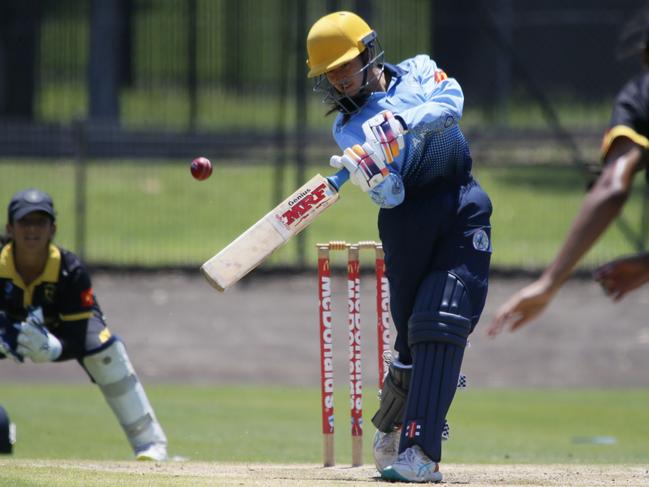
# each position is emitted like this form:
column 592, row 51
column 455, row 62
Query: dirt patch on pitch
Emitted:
column 253, row 475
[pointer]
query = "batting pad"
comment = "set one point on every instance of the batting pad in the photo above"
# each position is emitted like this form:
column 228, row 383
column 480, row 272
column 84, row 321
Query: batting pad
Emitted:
column 437, row 334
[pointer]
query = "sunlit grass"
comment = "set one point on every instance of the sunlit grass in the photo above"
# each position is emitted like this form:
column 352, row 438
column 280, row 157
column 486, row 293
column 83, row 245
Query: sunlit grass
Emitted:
column 282, row 425
column 151, row 213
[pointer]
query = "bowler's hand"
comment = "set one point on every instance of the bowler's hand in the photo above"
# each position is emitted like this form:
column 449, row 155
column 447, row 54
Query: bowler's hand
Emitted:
column 521, row 308
column 621, row 276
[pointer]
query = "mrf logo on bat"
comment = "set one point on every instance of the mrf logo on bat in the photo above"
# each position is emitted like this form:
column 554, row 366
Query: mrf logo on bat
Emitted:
column 272, row 231
column 300, row 207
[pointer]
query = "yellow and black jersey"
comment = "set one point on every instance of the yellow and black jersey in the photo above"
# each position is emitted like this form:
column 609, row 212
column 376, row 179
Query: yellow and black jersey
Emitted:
column 630, row 115
column 64, row 291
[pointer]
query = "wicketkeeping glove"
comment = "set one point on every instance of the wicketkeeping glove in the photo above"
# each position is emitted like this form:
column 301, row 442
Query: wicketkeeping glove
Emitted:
column 35, row 341
column 384, row 132
column 366, row 166
column 7, row 351
column 8, row 335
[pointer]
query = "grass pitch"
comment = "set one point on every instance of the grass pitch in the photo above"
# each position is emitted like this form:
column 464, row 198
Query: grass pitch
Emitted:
column 201, row 474
column 263, row 436
column 282, row 425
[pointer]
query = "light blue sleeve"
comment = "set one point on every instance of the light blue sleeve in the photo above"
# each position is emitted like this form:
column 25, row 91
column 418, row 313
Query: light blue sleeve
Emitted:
column 444, row 99
column 348, row 134
column 389, row 192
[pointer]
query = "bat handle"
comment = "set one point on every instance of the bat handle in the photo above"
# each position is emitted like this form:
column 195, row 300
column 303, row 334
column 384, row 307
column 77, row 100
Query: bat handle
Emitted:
column 338, row 179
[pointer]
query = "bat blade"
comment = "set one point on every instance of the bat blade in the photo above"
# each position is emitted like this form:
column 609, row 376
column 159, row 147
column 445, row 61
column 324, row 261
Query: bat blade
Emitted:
column 257, row 243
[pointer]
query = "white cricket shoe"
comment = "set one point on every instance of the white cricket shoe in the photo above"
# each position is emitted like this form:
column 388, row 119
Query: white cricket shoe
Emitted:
column 413, row 465
column 385, row 448
column 155, row 452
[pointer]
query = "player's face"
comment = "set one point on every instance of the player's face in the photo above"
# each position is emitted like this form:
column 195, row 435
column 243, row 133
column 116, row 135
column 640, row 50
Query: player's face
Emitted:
column 32, row 232
column 347, row 78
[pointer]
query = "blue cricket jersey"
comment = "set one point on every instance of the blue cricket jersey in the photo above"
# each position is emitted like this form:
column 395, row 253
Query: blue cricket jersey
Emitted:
column 431, row 105
column 434, row 224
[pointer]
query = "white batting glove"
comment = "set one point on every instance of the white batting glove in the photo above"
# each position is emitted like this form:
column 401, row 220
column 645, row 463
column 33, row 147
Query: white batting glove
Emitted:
column 384, row 132
column 366, row 166
column 35, row 341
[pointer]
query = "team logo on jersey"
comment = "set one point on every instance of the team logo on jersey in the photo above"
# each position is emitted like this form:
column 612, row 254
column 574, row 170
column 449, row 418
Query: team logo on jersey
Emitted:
column 87, row 298
column 8, row 288
column 49, row 292
column 481, row 241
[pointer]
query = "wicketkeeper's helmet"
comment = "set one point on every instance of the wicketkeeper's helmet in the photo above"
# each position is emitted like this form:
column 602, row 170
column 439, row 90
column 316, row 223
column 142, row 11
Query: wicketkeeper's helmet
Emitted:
column 7, row 433
column 335, row 39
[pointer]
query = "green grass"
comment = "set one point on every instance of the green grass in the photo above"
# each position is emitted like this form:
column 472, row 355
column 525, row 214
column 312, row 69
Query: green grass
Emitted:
column 534, row 208
column 282, row 425
column 150, row 213
column 548, row 426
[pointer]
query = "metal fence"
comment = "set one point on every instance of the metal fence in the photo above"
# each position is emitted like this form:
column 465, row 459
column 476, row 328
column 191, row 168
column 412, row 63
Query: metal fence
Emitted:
column 105, row 103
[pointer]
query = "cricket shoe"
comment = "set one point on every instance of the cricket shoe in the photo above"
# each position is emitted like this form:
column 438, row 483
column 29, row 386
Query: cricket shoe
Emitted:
column 154, row 452
column 385, row 448
column 413, row 465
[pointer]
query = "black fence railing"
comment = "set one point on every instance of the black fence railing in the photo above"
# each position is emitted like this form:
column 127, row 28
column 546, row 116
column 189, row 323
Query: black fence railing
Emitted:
column 126, row 198
column 105, row 103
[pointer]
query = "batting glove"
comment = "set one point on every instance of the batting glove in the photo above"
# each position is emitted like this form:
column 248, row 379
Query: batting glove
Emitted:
column 35, row 341
column 366, row 166
column 384, row 132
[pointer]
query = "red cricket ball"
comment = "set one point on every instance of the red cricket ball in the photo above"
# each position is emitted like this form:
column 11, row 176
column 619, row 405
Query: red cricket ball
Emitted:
column 201, row 168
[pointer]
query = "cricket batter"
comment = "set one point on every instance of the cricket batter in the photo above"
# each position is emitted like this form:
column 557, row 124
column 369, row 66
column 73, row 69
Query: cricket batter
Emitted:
column 624, row 153
column 398, row 128
column 48, row 312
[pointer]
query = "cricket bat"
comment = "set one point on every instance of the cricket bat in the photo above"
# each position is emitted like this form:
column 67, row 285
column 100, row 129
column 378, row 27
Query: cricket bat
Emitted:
column 287, row 219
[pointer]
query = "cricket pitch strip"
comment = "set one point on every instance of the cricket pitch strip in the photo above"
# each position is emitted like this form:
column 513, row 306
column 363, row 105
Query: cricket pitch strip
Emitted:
column 271, row 475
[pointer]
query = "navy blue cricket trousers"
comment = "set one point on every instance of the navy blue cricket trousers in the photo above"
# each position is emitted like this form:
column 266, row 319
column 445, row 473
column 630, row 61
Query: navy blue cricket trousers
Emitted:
column 442, row 227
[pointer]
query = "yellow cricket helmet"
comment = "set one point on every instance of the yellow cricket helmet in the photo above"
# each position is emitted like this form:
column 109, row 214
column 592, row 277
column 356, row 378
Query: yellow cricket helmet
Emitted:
column 336, row 39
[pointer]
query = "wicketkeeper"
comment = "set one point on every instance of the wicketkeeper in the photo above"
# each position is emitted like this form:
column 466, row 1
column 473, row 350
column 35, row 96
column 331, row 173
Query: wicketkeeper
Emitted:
column 397, row 126
column 49, row 313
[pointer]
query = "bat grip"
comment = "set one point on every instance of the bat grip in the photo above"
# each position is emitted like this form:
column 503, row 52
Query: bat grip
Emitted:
column 338, row 179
